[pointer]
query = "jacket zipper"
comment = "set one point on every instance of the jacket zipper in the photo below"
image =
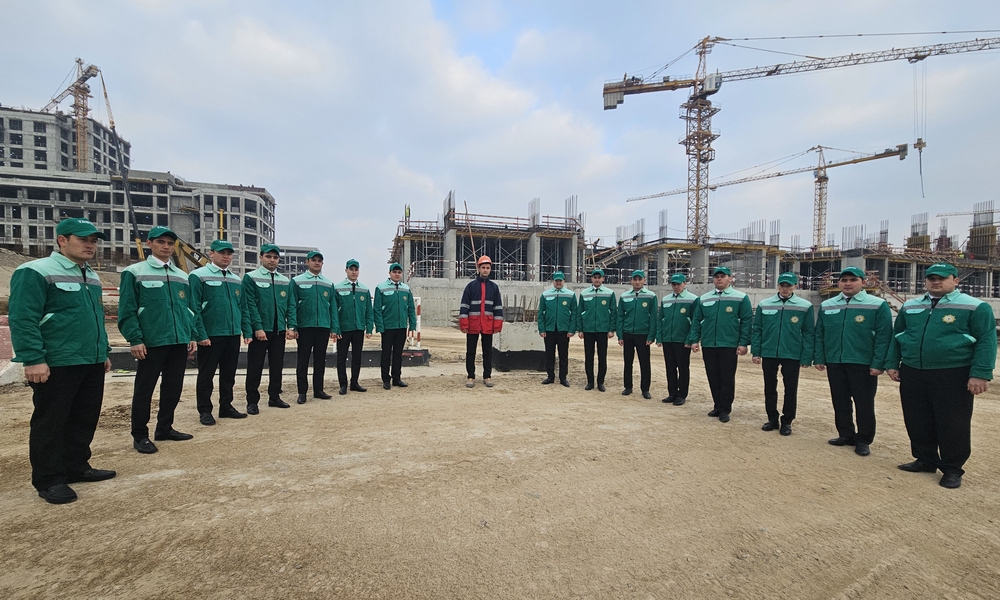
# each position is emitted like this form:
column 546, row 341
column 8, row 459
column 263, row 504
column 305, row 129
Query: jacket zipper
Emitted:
column 170, row 294
column 97, row 318
column 923, row 333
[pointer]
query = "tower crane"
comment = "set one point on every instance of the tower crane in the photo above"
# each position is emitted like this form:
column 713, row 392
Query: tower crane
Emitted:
column 80, row 92
column 698, row 110
column 819, row 172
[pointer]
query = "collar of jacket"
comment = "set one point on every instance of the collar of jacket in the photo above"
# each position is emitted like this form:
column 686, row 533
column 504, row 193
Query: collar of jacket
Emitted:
column 481, row 279
column 157, row 263
column 66, row 263
column 860, row 297
column 642, row 291
column 309, row 275
column 950, row 297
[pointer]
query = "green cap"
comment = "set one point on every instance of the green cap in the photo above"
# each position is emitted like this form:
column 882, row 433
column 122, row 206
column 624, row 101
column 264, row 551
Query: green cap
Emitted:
column 395, row 267
column 314, row 254
column 220, row 245
column 558, row 276
column 79, row 228
column 598, row 272
column 269, row 248
column 638, row 273
column 723, row 270
column 852, row 271
column 789, row 278
column 160, row 231
column 941, row 270
column 353, row 263
column 678, row 278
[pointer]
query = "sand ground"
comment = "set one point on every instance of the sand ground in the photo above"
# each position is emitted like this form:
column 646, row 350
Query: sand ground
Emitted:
column 520, row 491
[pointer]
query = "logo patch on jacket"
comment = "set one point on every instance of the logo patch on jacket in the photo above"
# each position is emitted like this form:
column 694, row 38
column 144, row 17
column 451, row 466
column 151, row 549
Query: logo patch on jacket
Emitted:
column 683, row 310
column 325, row 294
column 604, row 301
column 794, row 319
column 948, row 318
column 859, row 319
column 565, row 302
column 283, row 293
column 645, row 304
column 180, row 294
column 237, row 292
column 729, row 309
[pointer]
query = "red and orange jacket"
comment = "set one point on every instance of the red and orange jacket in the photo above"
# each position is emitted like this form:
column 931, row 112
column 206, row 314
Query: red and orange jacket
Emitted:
column 482, row 307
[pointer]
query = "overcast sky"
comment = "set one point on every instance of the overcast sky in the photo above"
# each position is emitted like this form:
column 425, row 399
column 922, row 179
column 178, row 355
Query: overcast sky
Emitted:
column 347, row 111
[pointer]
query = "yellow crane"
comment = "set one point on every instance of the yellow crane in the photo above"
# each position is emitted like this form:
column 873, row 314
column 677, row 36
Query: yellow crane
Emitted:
column 80, row 91
column 698, row 110
column 822, row 181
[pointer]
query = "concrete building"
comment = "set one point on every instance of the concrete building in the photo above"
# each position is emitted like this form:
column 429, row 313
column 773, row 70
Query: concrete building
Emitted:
column 293, row 261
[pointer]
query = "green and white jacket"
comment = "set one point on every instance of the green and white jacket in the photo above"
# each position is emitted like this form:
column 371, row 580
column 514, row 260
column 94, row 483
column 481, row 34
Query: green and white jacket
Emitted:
column 856, row 331
column 354, row 306
column 313, row 298
column 597, row 310
column 217, row 302
column 557, row 310
column 722, row 320
column 784, row 329
column 676, row 312
column 267, row 298
column 637, row 314
column 393, row 307
column 154, row 305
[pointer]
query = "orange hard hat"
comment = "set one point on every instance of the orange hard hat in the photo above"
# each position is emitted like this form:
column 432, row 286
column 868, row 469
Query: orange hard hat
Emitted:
column 484, row 259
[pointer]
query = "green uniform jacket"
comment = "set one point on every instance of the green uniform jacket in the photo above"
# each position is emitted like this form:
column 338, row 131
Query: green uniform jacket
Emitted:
column 784, row 329
column 216, row 301
column 637, row 314
column 557, row 310
column 394, row 308
column 676, row 312
column 313, row 298
column 959, row 332
column 722, row 321
column 154, row 305
column 354, row 307
column 856, row 332
column 597, row 310
column 266, row 295
column 56, row 314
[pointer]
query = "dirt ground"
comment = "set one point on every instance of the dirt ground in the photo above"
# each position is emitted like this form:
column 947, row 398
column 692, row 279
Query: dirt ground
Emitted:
column 520, row 491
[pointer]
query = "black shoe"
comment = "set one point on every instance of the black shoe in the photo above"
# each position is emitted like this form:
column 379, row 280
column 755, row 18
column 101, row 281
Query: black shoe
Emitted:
column 601, row 388
column 714, row 412
column 206, row 419
column 172, row 435
column 948, row 480
column 841, row 441
column 301, row 399
column 679, row 401
column 252, row 409
column 356, row 387
column 144, row 446
column 90, row 475
column 626, row 391
column 589, row 386
column 400, row 383
column 60, row 493
column 769, row 426
column 564, row 382
column 647, row 395
column 343, row 390
column 322, row 395
column 917, row 466
column 724, row 418
column 548, row 380
column 229, row 412
column 386, row 385
column 786, row 429
column 668, row 399
column 279, row 403
column 861, row 449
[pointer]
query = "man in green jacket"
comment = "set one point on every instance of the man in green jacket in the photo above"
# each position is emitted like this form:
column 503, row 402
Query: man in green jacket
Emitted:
column 942, row 356
column 596, row 315
column 853, row 333
column 269, row 317
column 782, row 337
column 154, row 315
column 316, row 318
column 354, row 313
column 216, row 301
column 722, row 324
column 637, row 331
column 57, row 332
column 676, row 311
column 556, row 325
column 395, row 314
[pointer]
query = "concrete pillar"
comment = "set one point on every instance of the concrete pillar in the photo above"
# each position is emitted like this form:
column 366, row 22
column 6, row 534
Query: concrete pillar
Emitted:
column 989, row 284
column 912, row 286
column 407, row 256
column 773, row 264
column 663, row 271
column 574, row 260
column 450, row 254
column 699, row 266
column 884, row 270
column 534, row 257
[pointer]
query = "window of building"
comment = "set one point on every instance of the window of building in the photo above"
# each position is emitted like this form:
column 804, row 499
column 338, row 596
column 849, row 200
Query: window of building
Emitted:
column 16, row 154
column 106, row 216
column 48, row 214
column 161, row 188
column 32, row 232
column 112, row 165
column 40, row 141
column 107, row 234
column 32, row 213
column 119, row 198
column 3, row 231
column 41, row 155
column 15, row 231
column 41, row 166
column 65, row 162
column 16, row 139
column 17, row 165
column 97, row 154
column 208, row 201
column 15, row 212
column 64, row 134
column 119, row 216
column 250, row 223
column 97, row 168
column 161, row 202
column 250, row 258
column 72, row 213
column 64, row 147
column 197, row 237
column 250, row 206
column 144, row 218
column 3, row 210
column 1, row 151
column 125, row 161
column 250, row 240
column 39, row 127
column 103, row 198
column 162, row 220
column 38, row 194
column 142, row 200
column 119, row 235
column 15, row 124
column 97, row 142
column 92, row 216
column 50, row 233
column 75, row 195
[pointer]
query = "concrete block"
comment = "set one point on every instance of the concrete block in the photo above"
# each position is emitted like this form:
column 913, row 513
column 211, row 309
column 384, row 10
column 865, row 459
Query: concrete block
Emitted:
column 11, row 372
column 517, row 337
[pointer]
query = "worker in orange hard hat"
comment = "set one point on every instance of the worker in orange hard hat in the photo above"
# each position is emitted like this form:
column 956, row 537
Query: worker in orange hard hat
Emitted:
column 481, row 313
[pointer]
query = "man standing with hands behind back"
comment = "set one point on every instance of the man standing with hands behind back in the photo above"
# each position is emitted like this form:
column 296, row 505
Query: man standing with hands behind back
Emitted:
column 354, row 313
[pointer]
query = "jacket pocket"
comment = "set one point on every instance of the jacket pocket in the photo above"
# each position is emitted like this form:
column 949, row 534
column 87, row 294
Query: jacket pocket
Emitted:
column 68, row 286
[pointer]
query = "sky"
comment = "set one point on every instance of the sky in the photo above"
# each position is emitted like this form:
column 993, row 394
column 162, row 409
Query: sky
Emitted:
column 348, row 111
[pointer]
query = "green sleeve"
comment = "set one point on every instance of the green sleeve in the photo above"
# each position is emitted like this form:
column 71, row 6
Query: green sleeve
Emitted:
column 807, row 338
column 411, row 311
column 578, row 320
column 613, row 316
column 984, row 354
column 895, row 354
column 819, row 350
column 244, row 314
column 755, row 336
column 746, row 321
column 251, row 297
column 883, row 336
column 620, row 325
column 541, row 314
column 576, row 306
column 27, row 304
column 194, row 303
column 694, row 336
column 377, row 309
column 292, row 308
column 128, row 309
column 369, row 317
column 661, row 329
column 653, row 321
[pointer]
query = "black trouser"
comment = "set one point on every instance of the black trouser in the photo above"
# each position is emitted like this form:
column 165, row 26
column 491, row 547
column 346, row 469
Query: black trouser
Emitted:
column 678, row 361
column 393, row 341
column 313, row 341
column 790, row 380
column 720, row 367
column 471, row 339
column 170, row 362
column 636, row 344
column 600, row 340
column 937, row 411
column 356, row 341
column 67, row 408
column 553, row 340
column 274, row 350
column 224, row 355
column 853, row 387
